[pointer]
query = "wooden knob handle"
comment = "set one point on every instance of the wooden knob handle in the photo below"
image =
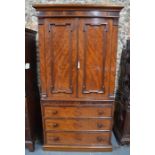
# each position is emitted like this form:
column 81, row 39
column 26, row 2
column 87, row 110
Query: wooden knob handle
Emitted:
column 55, row 125
column 100, row 139
column 101, row 112
column 99, row 125
column 56, row 138
column 54, row 112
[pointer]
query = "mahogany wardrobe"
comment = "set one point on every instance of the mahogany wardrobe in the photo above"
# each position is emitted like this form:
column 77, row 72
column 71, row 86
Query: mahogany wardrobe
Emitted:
column 78, row 46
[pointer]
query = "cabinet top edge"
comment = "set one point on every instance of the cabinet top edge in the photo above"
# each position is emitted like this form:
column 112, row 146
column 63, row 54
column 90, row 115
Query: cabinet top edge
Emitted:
column 30, row 30
column 40, row 6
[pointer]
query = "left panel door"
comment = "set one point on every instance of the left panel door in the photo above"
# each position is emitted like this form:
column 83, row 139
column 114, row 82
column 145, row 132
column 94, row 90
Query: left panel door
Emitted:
column 60, row 57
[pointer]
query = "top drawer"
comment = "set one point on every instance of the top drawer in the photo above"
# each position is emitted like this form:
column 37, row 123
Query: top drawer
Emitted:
column 87, row 112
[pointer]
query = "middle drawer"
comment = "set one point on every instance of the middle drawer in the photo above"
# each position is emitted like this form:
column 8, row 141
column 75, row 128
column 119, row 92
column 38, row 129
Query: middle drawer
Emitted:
column 87, row 124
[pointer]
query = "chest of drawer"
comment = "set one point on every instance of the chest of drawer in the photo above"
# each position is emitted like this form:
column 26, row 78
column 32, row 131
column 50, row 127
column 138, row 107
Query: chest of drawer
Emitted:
column 76, row 138
column 77, row 124
column 74, row 112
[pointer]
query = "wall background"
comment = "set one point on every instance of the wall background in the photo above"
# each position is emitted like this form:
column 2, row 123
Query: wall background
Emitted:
column 124, row 21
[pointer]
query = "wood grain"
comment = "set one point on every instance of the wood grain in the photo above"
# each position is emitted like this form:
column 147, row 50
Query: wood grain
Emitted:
column 77, row 112
column 78, row 148
column 42, row 60
column 75, row 138
column 78, row 65
column 77, row 124
column 61, row 70
column 94, row 57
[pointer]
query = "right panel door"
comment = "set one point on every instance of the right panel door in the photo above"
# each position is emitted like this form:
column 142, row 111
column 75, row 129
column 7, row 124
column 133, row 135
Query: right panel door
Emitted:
column 94, row 58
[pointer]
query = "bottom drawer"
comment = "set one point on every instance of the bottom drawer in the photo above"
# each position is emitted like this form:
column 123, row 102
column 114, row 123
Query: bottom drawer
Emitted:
column 77, row 138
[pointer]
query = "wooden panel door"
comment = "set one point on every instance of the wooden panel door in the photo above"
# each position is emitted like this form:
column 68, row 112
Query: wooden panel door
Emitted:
column 94, row 59
column 60, row 58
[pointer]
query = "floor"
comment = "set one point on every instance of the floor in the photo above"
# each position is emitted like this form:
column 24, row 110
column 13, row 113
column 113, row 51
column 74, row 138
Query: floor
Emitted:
column 117, row 150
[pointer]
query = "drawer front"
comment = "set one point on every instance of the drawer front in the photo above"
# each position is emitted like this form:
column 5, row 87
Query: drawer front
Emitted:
column 76, row 138
column 77, row 124
column 77, row 112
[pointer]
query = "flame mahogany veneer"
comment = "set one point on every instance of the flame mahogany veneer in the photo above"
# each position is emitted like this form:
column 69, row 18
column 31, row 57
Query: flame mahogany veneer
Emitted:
column 78, row 45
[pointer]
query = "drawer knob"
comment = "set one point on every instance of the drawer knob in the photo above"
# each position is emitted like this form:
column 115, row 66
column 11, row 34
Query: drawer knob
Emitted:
column 100, row 139
column 101, row 112
column 55, row 125
column 54, row 112
column 56, row 139
column 99, row 125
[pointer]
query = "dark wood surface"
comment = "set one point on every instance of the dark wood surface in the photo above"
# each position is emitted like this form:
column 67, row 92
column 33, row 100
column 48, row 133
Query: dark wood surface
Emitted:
column 122, row 111
column 32, row 107
column 78, row 45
